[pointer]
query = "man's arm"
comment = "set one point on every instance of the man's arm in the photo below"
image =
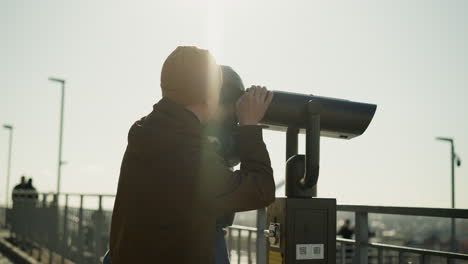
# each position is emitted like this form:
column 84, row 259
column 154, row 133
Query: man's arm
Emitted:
column 251, row 187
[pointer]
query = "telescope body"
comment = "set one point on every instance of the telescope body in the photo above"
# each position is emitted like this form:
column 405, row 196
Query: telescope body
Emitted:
column 338, row 118
column 315, row 116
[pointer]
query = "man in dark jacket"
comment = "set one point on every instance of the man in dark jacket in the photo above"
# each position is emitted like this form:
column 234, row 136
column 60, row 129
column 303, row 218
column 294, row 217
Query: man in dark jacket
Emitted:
column 22, row 185
column 173, row 185
column 346, row 231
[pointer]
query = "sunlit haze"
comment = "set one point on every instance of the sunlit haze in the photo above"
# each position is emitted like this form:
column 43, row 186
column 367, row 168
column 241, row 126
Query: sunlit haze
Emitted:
column 408, row 57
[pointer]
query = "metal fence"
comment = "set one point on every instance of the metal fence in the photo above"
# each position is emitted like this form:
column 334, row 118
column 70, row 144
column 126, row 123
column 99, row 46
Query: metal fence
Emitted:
column 383, row 254
column 241, row 242
column 47, row 228
column 361, row 250
column 54, row 227
column 75, row 227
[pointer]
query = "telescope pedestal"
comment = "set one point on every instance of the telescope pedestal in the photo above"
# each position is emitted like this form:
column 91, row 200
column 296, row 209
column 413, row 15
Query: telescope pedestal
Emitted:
column 301, row 230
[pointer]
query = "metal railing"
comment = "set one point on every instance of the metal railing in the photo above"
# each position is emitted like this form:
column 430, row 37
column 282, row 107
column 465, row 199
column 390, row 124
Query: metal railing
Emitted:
column 360, row 247
column 52, row 227
column 64, row 226
column 402, row 255
column 241, row 242
column 67, row 231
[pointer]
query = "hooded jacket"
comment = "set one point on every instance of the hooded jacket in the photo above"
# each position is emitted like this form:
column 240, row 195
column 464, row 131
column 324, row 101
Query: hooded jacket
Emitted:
column 173, row 186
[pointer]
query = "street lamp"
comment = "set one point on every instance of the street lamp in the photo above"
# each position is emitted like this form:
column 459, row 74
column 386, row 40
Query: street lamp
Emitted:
column 60, row 161
column 454, row 159
column 10, row 144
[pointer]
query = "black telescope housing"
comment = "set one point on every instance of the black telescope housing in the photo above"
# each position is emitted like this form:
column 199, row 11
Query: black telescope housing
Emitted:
column 315, row 116
column 338, row 118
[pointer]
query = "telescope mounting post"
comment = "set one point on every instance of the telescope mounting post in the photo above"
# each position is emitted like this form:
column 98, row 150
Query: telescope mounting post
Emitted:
column 302, row 171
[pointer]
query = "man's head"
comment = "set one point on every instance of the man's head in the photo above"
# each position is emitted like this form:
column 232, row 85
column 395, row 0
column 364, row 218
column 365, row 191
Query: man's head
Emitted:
column 347, row 222
column 23, row 179
column 191, row 78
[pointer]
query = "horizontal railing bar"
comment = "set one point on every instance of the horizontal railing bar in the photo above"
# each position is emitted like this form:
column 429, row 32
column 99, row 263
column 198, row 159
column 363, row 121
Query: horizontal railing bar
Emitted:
column 414, row 211
column 239, row 227
column 345, row 240
column 420, row 251
column 79, row 194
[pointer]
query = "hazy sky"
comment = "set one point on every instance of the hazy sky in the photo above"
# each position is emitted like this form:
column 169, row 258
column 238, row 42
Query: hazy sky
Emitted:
column 408, row 57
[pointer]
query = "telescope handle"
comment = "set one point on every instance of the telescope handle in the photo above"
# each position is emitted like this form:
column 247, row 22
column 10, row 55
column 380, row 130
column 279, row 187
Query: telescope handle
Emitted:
column 302, row 171
column 312, row 156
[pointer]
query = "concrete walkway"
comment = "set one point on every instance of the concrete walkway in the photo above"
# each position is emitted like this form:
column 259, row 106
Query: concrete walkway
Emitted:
column 4, row 260
column 10, row 254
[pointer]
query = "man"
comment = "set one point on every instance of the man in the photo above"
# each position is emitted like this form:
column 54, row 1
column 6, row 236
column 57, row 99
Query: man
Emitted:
column 172, row 184
column 18, row 190
column 32, row 192
column 21, row 185
column 346, row 231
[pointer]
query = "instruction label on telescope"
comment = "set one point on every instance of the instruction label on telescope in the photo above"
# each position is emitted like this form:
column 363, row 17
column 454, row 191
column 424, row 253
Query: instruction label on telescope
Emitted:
column 309, row 251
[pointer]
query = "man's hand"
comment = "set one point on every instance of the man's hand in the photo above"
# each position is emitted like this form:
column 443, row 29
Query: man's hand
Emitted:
column 252, row 105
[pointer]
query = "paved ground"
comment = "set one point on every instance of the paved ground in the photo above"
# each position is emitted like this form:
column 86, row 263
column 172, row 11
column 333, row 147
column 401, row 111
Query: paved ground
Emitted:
column 4, row 260
column 32, row 255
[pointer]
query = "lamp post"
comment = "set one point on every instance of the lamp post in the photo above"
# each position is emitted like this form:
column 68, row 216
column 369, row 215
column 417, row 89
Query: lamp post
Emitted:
column 454, row 159
column 60, row 161
column 10, row 144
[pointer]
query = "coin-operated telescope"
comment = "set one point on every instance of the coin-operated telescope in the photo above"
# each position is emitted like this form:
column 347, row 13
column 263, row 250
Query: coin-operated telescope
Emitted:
column 301, row 227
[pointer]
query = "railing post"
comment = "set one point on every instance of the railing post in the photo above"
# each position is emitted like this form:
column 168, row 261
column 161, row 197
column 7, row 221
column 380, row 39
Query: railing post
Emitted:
column 343, row 253
column 80, row 232
column 42, row 225
column 239, row 238
column 50, row 234
column 53, row 227
column 8, row 220
column 99, row 226
column 401, row 257
column 261, row 239
column 425, row 259
column 381, row 255
column 64, row 242
column 362, row 238
column 48, row 215
column 229, row 241
column 249, row 248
